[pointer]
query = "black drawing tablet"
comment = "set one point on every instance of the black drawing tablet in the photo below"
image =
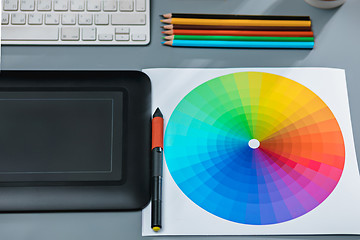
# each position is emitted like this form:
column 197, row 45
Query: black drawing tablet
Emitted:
column 74, row 140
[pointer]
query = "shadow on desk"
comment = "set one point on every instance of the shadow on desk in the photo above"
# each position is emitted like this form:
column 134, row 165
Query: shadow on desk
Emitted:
column 319, row 17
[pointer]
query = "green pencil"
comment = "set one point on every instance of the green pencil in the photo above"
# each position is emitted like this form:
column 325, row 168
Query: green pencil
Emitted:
column 239, row 38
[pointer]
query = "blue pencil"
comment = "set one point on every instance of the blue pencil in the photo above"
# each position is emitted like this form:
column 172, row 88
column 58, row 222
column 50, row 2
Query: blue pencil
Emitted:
column 238, row 44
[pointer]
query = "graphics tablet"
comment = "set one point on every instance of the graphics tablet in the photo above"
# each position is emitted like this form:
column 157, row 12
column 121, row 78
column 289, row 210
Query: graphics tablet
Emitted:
column 74, row 140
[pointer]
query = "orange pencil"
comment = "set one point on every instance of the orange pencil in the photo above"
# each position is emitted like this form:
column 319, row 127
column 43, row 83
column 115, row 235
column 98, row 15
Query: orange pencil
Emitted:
column 240, row 33
column 237, row 22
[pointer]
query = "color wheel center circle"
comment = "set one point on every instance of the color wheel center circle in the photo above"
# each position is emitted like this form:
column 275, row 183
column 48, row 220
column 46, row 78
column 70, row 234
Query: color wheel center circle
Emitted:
column 254, row 143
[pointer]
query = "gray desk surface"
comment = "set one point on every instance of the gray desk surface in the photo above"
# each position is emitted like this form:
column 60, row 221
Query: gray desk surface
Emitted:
column 337, row 45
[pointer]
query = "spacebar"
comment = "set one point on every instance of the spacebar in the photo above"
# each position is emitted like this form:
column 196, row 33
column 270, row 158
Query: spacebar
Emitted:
column 29, row 34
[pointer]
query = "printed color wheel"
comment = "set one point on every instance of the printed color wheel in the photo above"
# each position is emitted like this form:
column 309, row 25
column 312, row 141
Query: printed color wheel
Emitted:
column 254, row 148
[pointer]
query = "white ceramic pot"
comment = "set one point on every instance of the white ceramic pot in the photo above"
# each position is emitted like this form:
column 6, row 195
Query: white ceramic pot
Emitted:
column 325, row 3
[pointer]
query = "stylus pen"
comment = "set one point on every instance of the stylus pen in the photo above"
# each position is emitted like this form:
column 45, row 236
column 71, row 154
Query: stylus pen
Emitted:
column 157, row 159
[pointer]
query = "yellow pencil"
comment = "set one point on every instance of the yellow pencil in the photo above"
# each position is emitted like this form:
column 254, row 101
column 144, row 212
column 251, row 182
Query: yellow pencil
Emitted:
column 237, row 22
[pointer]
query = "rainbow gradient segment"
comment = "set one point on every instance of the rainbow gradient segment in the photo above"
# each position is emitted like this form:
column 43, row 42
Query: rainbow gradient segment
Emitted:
column 296, row 167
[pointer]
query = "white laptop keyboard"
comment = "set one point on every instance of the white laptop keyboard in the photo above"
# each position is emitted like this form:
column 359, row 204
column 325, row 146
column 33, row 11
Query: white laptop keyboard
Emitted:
column 75, row 22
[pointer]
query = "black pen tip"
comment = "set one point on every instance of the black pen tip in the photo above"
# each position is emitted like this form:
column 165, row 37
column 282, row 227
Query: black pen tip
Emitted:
column 157, row 113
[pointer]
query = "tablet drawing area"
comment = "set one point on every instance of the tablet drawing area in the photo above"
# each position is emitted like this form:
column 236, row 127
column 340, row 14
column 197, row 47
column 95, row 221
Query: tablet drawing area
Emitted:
column 49, row 127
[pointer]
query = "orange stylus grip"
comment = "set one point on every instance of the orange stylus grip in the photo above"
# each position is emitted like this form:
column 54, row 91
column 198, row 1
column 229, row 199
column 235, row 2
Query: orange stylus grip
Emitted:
column 157, row 132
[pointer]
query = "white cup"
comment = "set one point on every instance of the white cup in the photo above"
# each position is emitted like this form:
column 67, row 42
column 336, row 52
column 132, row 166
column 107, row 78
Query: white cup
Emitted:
column 325, row 3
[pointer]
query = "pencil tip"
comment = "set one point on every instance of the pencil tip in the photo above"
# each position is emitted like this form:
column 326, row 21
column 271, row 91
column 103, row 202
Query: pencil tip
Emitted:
column 163, row 43
column 167, row 15
column 168, row 43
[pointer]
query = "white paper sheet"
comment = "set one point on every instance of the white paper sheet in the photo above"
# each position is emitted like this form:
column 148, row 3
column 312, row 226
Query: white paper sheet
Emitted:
column 338, row 214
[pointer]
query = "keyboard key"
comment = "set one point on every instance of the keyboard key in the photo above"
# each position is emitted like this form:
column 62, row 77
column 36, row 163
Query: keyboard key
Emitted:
column 101, row 19
column 126, row 5
column 5, row 18
column 128, row 19
column 29, row 34
column 110, row 5
column 105, row 37
column 44, row 5
column 89, row 34
column 35, row 18
column 11, row 5
column 60, row 5
column 93, row 5
column 70, row 33
column 140, row 5
column 122, row 30
column 85, row 19
column 77, row 5
column 18, row 18
column 138, row 37
column 52, row 19
column 122, row 37
column 68, row 19
column 27, row 5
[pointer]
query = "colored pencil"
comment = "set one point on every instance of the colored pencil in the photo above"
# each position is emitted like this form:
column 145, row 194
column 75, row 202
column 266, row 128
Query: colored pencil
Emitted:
column 238, row 44
column 240, row 33
column 257, row 28
column 235, row 16
column 237, row 22
column 239, row 38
